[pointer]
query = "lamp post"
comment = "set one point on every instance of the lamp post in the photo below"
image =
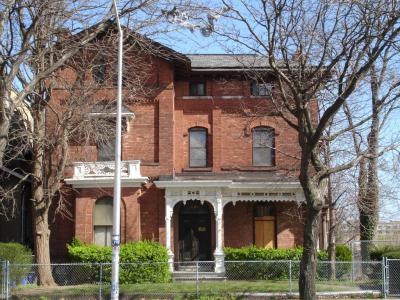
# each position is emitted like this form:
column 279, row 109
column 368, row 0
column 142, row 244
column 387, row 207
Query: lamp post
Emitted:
column 115, row 240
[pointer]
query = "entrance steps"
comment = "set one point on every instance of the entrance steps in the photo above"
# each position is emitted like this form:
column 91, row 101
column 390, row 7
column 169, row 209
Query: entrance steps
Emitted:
column 193, row 272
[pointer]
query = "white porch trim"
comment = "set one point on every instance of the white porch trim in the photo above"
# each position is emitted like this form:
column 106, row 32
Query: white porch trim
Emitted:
column 219, row 193
column 101, row 174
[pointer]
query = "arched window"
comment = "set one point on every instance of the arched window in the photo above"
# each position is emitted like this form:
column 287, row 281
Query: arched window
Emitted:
column 197, row 147
column 102, row 221
column 263, row 146
column 264, row 225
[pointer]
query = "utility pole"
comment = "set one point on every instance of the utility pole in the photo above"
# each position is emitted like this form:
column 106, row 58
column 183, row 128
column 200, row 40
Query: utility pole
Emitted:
column 116, row 240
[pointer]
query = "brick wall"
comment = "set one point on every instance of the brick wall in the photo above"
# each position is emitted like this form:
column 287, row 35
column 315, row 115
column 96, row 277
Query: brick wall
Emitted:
column 158, row 136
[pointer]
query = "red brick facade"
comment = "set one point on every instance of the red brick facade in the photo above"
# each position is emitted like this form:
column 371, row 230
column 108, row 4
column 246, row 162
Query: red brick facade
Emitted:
column 158, row 137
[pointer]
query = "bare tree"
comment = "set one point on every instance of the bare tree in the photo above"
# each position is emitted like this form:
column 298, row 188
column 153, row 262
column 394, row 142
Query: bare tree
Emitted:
column 318, row 51
column 48, row 48
column 383, row 91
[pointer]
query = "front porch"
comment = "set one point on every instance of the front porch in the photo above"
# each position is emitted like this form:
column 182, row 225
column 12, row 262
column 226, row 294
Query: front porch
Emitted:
column 200, row 215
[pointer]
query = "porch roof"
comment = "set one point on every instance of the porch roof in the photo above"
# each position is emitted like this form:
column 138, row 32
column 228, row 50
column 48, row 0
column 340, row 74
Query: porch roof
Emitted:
column 231, row 180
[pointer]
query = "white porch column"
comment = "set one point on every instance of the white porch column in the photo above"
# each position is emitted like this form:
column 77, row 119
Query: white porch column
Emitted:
column 219, row 250
column 168, row 216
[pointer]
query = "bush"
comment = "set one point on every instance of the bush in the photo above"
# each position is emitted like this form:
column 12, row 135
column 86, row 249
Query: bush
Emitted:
column 343, row 253
column 254, row 253
column 276, row 270
column 143, row 261
column 377, row 253
column 16, row 254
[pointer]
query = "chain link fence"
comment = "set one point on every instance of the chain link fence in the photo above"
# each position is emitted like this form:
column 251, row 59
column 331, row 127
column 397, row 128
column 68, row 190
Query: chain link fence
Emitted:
column 188, row 280
column 360, row 249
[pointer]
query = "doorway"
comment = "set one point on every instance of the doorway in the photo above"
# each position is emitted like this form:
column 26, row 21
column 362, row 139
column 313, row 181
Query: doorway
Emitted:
column 264, row 225
column 194, row 231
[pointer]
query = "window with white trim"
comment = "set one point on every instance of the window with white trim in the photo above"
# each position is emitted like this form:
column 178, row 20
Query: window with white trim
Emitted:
column 263, row 146
column 197, row 147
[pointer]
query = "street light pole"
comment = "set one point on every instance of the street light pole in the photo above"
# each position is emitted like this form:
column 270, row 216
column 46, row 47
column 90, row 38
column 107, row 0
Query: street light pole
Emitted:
column 115, row 240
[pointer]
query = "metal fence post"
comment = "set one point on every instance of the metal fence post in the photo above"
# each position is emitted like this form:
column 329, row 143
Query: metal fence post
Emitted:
column 197, row 279
column 7, row 279
column 3, row 279
column 290, row 276
column 384, row 276
column 100, row 281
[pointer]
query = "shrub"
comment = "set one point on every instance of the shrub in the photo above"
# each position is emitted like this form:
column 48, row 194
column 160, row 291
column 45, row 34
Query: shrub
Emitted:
column 343, row 253
column 254, row 253
column 377, row 253
column 16, row 254
column 143, row 261
column 246, row 270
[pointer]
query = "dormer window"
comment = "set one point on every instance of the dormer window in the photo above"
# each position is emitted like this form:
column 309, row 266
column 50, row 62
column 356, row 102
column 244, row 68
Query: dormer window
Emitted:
column 261, row 89
column 197, row 88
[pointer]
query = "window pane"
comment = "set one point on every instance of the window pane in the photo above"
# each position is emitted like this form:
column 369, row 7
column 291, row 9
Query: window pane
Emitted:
column 198, row 157
column 108, row 235
column 197, row 89
column 263, row 137
column 106, row 151
column 262, row 157
column 100, row 235
column 99, row 70
column 261, row 89
column 102, row 214
column 198, row 138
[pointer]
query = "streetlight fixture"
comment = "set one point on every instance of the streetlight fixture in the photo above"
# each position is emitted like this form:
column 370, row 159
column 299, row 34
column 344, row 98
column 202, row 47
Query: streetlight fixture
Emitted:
column 115, row 240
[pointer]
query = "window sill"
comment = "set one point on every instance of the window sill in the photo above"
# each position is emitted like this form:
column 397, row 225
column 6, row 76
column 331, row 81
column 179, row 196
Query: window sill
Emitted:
column 149, row 164
column 200, row 169
column 249, row 168
column 260, row 97
column 197, row 97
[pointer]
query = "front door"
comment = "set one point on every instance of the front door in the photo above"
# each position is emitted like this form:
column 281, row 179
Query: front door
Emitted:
column 264, row 228
column 194, row 231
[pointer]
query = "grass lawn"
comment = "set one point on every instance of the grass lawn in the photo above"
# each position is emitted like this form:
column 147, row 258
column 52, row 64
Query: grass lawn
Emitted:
column 180, row 288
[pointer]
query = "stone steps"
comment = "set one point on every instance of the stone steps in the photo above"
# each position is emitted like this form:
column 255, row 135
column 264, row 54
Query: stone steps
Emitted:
column 193, row 276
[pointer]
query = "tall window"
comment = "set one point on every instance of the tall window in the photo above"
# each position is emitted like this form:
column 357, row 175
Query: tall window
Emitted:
column 263, row 146
column 198, row 147
column 102, row 221
column 197, row 89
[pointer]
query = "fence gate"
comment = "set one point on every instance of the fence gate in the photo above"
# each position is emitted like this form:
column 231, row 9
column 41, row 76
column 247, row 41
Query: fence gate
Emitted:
column 393, row 277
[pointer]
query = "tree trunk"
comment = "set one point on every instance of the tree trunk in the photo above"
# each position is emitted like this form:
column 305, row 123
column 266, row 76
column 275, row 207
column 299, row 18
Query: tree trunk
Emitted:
column 6, row 111
column 331, row 232
column 42, row 248
column 4, row 128
column 362, row 209
column 308, row 264
column 41, row 202
column 369, row 206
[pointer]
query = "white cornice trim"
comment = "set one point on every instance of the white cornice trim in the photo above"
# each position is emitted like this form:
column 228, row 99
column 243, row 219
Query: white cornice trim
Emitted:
column 193, row 183
column 100, row 182
column 226, row 184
